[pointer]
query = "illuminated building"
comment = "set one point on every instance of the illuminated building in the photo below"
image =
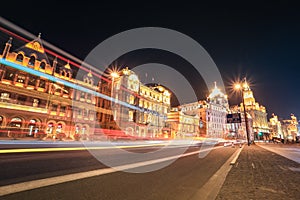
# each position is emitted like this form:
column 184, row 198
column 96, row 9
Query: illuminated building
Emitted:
column 212, row 113
column 183, row 125
column 290, row 128
column 146, row 112
column 275, row 127
column 257, row 112
column 40, row 93
column 39, row 96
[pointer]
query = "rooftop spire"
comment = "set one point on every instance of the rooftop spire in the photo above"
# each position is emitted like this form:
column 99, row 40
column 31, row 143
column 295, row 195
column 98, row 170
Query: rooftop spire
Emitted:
column 10, row 40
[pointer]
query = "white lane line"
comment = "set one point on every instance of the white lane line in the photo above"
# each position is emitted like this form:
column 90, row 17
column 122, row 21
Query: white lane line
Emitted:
column 212, row 187
column 236, row 156
column 28, row 185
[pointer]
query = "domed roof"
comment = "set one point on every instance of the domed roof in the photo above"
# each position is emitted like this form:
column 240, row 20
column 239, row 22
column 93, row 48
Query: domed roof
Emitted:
column 67, row 66
column 216, row 92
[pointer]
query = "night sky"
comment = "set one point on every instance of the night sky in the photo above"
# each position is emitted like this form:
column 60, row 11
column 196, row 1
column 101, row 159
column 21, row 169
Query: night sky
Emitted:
column 260, row 41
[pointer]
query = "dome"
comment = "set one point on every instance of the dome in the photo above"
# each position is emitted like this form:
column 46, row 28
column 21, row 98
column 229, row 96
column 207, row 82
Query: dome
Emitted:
column 216, row 92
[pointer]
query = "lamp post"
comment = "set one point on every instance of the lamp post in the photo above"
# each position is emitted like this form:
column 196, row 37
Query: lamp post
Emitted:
column 113, row 75
column 241, row 88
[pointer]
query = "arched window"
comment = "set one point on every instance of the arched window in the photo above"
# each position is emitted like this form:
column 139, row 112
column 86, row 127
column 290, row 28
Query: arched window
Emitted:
column 59, row 128
column 42, row 65
column 31, row 61
column 20, row 57
column 32, row 127
column 50, row 128
column 83, row 130
column 77, row 129
column 16, row 122
column 1, row 120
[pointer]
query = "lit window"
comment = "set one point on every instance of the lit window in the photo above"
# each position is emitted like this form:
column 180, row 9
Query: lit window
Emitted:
column 35, row 103
column 21, row 78
column 59, row 128
column 4, row 96
column 131, row 99
column 130, row 115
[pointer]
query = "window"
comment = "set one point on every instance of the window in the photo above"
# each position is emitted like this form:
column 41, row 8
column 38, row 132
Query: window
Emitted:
column 4, row 96
column 16, row 122
column 82, row 95
column 63, row 109
column 35, row 103
column 31, row 61
column 59, row 128
column 22, row 99
column 130, row 115
column 141, row 103
column 131, row 99
column 20, row 57
column 21, row 78
column 54, row 107
column 42, row 65
column 50, row 128
column 42, row 83
column 9, row 74
column 31, row 80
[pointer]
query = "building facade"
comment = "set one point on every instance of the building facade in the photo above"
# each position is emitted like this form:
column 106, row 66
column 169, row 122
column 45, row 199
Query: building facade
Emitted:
column 257, row 112
column 182, row 125
column 43, row 95
column 275, row 127
column 290, row 128
column 212, row 114
column 140, row 110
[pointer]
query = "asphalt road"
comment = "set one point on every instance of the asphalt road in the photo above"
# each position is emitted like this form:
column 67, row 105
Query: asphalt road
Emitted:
column 179, row 180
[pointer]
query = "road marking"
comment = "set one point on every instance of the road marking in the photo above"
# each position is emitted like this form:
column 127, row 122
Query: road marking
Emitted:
column 253, row 166
column 236, row 156
column 212, row 187
column 28, row 185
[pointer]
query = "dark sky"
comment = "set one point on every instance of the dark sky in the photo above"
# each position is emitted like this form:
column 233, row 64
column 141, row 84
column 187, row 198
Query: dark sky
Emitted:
column 260, row 41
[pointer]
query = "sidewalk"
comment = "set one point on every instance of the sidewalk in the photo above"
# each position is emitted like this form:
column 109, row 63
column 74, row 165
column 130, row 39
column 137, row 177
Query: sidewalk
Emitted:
column 261, row 174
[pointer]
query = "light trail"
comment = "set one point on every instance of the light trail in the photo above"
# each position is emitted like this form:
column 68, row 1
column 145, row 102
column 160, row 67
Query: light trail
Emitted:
column 49, row 45
column 69, row 59
column 53, row 149
column 74, row 86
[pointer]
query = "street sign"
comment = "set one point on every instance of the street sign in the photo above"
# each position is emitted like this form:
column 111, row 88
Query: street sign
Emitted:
column 234, row 118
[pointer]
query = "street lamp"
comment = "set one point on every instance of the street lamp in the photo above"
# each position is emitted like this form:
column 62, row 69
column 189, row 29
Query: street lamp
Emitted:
column 113, row 76
column 241, row 88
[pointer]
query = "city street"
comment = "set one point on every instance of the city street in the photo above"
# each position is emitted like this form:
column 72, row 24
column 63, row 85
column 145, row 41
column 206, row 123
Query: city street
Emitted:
column 179, row 180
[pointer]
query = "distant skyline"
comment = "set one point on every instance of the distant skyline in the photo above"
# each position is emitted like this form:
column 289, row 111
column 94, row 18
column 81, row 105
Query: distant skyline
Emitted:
column 257, row 41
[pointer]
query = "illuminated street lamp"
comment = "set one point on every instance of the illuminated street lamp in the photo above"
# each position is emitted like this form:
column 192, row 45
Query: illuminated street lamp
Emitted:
column 242, row 88
column 113, row 75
